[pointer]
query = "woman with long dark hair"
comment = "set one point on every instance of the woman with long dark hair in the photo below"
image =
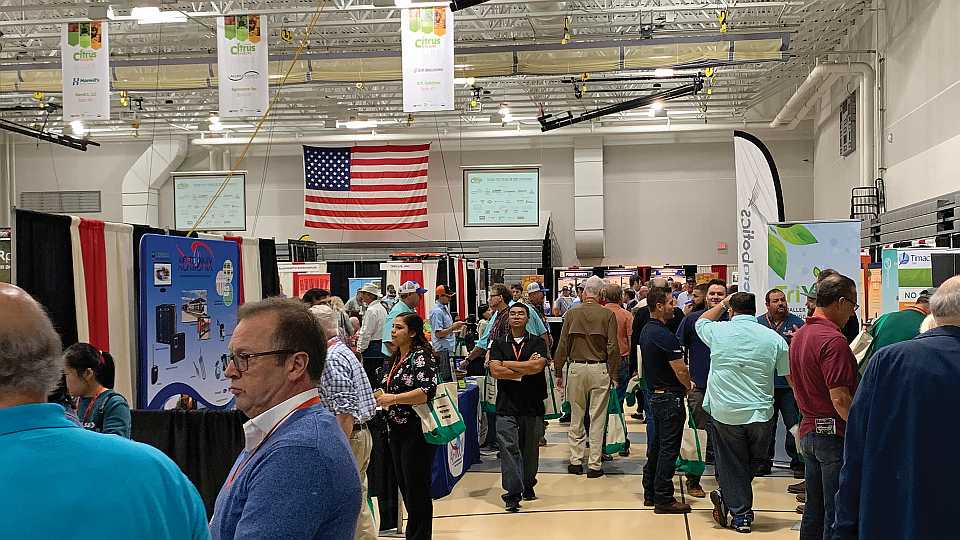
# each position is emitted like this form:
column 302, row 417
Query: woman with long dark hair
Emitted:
column 412, row 380
column 90, row 376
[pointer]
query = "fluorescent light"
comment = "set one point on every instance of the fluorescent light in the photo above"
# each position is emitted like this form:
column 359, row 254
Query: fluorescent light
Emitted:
column 153, row 15
column 77, row 127
column 143, row 13
column 216, row 126
column 656, row 106
column 663, row 72
column 357, row 124
column 504, row 110
column 214, row 119
column 402, row 3
column 507, row 118
column 466, row 81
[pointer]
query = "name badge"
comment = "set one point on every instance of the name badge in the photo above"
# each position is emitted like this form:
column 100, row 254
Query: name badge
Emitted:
column 826, row 426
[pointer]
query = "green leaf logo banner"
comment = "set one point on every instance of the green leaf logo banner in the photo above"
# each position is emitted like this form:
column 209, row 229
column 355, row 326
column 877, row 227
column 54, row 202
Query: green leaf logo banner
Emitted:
column 797, row 235
column 777, row 255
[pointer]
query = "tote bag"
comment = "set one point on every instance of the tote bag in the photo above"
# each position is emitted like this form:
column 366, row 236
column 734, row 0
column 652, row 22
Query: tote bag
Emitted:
column 440, row 417
column 552, row 404
column 615, row 434
column 488, row 393
column 692, row 445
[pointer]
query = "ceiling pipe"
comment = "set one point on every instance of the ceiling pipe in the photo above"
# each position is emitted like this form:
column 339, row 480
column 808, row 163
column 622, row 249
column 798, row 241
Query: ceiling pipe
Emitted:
column 796, row 108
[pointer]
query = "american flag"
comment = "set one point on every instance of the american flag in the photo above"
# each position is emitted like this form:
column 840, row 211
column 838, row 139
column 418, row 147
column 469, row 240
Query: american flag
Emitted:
column 366, row 187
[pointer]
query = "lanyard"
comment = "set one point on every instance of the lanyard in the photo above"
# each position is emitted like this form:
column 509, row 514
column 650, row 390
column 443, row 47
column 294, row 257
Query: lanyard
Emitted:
column 306, row 404
column 517, row 349
column 86, row 412
column 396, row 367
column 771, row 325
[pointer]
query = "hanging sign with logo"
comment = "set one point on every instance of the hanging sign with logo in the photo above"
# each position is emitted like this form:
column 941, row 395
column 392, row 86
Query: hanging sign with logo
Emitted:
column 85, row 66
column 427, row 38
column 242, row 65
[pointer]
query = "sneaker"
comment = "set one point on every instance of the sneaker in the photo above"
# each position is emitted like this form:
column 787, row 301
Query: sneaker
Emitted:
column 741, row 524
column 565, row 419
column 529, row 495
column 675, row 507
column 763, row 470
column 606, row 457
column 625, row 452
column 489, row 451
column 798, row 474
column 637, row 416
column 694, row 490
column 801, row 497
column 594, row 473
column 575, row 469
column 801, row 508
column 512, row 506
column 797, row 488
column 648, row 503
column 543, row 441
column 719, row 508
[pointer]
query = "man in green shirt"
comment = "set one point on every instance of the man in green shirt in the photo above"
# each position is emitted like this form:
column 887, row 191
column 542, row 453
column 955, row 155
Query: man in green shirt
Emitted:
column 898, row 326
column 745, row 357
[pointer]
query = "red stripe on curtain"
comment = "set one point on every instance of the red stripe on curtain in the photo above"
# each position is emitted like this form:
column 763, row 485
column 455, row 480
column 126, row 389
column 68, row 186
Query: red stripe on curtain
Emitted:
column 720, row 269
column 414, row 275
column 461, row 288
column 94, row 253
column 239, row 241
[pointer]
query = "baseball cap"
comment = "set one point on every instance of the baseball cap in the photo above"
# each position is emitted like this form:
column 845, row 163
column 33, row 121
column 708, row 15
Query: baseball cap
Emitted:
column 811, row 293
column 535, row 287
column 411, row 287
column 371, row 288
column 927, row 293
column 443, row 291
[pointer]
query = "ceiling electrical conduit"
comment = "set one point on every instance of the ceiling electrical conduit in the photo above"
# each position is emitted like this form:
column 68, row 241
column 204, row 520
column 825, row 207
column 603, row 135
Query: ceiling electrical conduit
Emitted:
column 822, row 77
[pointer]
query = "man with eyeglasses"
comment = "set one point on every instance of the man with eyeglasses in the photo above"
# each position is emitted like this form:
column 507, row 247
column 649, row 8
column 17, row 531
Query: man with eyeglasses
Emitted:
column 296, row 476
column 824, row 375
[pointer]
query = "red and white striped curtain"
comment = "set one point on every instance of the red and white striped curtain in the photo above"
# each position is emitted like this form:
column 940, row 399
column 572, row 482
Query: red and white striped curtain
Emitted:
column 460, row 271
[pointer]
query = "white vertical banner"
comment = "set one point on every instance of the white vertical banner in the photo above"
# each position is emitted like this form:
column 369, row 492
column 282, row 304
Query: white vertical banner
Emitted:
column 85, row 66
column 759, row 203
column 427, row 43
column 243, row 65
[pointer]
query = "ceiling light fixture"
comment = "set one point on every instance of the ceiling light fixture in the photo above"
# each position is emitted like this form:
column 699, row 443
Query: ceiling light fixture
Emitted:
column 457, row 5
column 77, row 127
column 358, row 124
column 664, row 72
column 153, row 15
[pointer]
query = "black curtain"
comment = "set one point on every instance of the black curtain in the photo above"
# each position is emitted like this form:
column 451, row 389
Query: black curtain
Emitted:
column 443, row 274
column 472, row 291
column 340, row 274
column 690, row 271
column 204, row 444
column 45, row 268
column 372, row 269
column 269, row 276
column 138, row 233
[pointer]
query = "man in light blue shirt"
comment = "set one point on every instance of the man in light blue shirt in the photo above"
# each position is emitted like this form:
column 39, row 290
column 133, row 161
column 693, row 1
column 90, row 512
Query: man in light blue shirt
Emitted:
column 444, row 331
column 745, row 357
column 62, row 481
column 409, row 300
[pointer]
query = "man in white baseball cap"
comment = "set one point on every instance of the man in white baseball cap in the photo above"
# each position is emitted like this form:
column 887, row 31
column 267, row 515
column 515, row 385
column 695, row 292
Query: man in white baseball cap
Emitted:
column 371, row 329
column 409, row 300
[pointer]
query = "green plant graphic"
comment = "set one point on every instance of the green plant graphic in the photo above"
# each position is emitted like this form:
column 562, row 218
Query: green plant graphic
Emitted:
column 796, row 234
column 777, row 255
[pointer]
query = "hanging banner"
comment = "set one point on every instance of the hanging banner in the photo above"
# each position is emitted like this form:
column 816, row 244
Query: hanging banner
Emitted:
column 242, row 65
column 759, row 202
column 188, row 310
column 798, row 251
column 6, row 257
column 85, row 67
column 427, row 44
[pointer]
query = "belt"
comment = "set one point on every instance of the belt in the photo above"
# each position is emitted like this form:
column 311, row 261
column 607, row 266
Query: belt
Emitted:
column 359, row 427
column 667, row 391
column 587, row 361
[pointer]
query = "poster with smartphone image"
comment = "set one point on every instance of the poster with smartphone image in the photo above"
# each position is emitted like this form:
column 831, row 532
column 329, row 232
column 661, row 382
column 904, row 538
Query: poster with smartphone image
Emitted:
column 188, row 310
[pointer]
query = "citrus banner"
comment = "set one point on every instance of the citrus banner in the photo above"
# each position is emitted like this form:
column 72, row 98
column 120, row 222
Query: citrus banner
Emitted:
column 85, row 66
column 242, row 65
column 427, row 43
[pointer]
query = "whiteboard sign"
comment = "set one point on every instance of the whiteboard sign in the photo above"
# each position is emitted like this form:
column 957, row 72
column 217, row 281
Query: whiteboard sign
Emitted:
column 501, row 197
column 192, row 192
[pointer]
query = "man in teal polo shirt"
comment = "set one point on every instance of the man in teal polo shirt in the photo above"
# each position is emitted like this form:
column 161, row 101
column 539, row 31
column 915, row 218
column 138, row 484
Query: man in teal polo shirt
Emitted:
column 409, row 300
column 745, row 356
column 60, row 480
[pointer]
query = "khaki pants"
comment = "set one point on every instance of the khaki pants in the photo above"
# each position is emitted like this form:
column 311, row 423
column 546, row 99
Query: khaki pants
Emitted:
column 361, row 442
column 587, row 381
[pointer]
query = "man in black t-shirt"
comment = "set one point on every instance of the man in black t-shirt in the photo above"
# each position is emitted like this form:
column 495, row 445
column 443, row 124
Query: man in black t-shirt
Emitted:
column 668, row 381
column 517, row 361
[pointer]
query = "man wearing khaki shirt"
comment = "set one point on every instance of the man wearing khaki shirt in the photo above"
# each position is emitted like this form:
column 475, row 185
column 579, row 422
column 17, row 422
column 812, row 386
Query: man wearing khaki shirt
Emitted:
column 589, row 347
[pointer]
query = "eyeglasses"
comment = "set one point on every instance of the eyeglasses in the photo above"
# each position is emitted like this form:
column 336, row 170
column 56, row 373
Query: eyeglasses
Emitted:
column 242, row 360
column 856, row 306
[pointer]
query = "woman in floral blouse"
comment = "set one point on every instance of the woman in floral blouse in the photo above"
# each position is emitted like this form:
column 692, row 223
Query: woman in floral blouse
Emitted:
column 412, row 380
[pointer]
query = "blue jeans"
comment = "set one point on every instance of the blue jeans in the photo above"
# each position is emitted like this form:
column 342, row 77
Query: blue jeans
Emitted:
column 823, row 455
column 739, row 451
column 663, row 447
column 785, row 406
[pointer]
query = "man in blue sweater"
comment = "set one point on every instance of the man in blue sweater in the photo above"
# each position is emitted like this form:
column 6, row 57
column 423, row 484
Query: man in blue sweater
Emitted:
column 296, row 478
column 62, row 481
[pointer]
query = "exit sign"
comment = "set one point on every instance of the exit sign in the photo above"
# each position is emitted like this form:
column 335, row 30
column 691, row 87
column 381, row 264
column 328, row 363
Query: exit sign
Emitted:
column 721, row 246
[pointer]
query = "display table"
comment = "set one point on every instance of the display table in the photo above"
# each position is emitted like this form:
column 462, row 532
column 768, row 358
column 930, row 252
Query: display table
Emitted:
column 454, row 459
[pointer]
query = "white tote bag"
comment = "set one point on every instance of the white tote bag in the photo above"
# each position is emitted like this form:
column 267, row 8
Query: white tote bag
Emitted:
column 440, row 417
column 488, row 393
column 693, row 445
column 553, row 403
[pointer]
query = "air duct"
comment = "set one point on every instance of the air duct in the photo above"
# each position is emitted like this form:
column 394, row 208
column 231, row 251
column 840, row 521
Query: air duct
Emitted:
column 588, row 222
column 141, row 184
column 824, row 75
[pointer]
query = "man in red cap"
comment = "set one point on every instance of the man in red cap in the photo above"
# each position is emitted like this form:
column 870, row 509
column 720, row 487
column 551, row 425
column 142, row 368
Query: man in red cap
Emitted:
column 444, row 330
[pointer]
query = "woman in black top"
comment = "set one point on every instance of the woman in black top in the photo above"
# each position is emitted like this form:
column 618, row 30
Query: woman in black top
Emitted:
column 412, row 380
column 89, row 377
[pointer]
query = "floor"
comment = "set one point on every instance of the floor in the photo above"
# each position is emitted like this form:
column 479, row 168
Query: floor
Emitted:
column 605, row 508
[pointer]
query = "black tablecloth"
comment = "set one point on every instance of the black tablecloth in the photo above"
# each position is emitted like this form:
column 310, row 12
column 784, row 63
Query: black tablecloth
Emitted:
column 203, row 443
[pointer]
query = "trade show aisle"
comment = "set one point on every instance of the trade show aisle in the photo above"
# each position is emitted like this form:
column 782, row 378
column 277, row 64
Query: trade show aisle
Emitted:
column 611, row 506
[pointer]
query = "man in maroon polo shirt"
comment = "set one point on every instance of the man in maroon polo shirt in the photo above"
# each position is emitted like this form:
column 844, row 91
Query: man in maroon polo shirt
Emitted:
column 824, row 373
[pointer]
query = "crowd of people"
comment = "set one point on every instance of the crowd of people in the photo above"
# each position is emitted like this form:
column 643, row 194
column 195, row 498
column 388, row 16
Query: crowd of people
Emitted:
column 312, row 374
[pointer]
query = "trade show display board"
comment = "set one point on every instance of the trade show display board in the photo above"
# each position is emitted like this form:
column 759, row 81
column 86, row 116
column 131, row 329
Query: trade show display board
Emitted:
column 798, row 251
column 192, row 192
column 6, row 256
column 619, row 276
column 357, row 282
column 188, row 311
column 907, row 272
column 501, row 198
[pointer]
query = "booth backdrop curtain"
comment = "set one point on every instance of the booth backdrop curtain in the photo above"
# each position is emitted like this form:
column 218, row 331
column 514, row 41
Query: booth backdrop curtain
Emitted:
column 79, row 283
column 414, row 275
column 204, row 444
column 690, row 271
column 45, row 267
column 340, row 274
column 460, row 285
column 94, row 256
column 138, row 233
column 269, row 276
column 430, row 284
column 645, row 272
column 250, row 259
column 122, row 318
column 721, row 270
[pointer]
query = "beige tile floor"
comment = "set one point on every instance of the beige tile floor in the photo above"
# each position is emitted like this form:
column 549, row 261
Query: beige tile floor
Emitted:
column 576, row 507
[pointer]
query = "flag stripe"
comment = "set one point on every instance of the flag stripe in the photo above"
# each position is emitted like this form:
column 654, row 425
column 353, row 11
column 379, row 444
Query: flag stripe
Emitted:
column 377, row 220
column 392, row 148
column 366, row 213
column 389, row 187
column 382, row 161
column 421, row 173
column 365, row 226
column 367, row 201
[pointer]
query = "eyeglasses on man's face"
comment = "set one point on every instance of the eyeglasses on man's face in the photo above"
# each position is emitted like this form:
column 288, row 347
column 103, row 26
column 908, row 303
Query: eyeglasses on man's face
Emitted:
column 242, row 360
